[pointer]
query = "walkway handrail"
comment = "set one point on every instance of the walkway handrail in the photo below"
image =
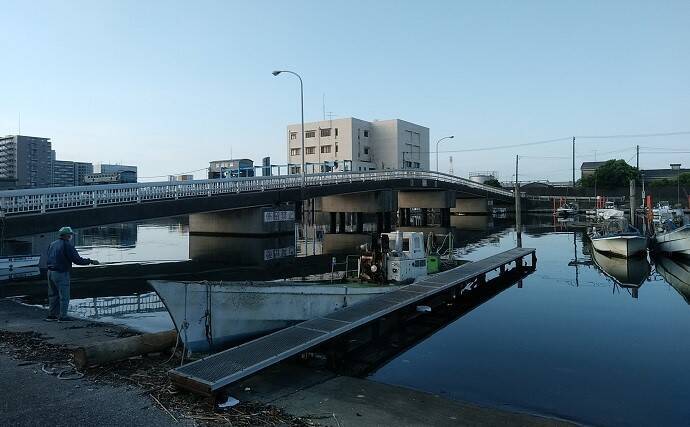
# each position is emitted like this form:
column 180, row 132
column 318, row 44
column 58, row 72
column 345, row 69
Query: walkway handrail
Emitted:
column 40, row 200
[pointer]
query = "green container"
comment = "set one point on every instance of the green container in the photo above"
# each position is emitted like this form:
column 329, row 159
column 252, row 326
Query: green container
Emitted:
column 433, row 263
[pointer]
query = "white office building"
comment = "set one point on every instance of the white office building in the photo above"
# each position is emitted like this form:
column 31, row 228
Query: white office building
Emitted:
column 357, row 145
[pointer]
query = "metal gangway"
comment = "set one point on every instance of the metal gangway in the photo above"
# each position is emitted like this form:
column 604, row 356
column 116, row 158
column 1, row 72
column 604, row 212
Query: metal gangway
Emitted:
column 208, row 375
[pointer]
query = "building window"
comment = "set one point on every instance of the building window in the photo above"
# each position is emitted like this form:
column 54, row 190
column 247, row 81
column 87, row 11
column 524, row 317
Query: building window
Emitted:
column 336, row 131
column 326, row 132
column 366, row 150
column 366, row 134
column 294, row 151
column 295, row 169
column 310, row 134
column 293, row 135
column 408, row 164
column 325, row 149
column 416, row 165
column 336, row 148
column 310, row 150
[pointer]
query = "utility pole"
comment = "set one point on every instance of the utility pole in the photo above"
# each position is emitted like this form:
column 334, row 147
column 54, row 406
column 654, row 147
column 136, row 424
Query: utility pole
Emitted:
column 518, row 213
column 638, row 158
column 573, row 162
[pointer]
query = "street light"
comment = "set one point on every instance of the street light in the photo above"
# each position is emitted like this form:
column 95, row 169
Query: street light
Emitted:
column 301, row 98
column 676, row 167
column 438, row 142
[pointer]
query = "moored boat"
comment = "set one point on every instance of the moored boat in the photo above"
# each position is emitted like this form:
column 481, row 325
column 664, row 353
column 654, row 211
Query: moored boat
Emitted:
column 674, row 241
column 14, row 262
column 212, row 315
column 567, row 209
column 617, row 238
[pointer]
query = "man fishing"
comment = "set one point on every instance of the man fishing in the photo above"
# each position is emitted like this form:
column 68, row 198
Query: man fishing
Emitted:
column 60, row 257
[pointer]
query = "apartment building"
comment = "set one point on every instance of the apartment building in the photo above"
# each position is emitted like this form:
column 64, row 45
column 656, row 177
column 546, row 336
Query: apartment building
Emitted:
column 358, row 145
column 67, row 173
column 25, row 162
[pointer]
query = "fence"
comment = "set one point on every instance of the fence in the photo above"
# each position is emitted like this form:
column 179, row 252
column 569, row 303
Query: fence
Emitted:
column 41, row 200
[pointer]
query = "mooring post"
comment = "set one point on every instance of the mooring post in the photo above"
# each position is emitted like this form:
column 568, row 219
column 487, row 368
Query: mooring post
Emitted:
column 518, row 213
column 632, row 202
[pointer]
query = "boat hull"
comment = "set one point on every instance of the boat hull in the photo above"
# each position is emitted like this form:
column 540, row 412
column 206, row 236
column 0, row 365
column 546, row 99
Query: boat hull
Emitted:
column 15, row 262
column 624, row 246
column 210, row 316
column 676, row 241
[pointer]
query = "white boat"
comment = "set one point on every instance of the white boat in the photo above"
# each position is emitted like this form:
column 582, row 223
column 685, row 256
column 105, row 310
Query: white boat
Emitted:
column 609, row 211
column 617, row 238
column 14, row 262
column 567, row 209
column 674, row 241
column 212, row 315
column 625, row 245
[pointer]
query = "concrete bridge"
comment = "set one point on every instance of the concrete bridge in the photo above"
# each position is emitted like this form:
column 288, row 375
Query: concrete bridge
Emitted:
column 45, row 209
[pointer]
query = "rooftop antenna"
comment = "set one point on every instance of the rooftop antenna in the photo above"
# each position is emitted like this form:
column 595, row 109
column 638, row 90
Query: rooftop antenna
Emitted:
column 330, row 115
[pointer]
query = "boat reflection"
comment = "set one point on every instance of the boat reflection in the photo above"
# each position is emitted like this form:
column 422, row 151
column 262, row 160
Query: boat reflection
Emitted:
column 628, row 273
column 676, row 272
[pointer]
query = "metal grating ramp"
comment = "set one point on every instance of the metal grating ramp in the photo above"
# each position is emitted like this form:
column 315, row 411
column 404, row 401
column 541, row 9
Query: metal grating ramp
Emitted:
column 218, row 370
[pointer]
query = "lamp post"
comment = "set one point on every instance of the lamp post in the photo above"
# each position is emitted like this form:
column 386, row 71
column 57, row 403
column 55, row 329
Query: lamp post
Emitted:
column 438, row 142
column 676, row 167
column 301, row 99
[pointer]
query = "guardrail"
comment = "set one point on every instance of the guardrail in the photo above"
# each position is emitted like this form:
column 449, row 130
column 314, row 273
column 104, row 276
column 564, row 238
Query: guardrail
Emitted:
column 41, row 200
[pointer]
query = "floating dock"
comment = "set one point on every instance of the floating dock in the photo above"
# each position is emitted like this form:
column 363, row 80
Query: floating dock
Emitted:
column 210, row 374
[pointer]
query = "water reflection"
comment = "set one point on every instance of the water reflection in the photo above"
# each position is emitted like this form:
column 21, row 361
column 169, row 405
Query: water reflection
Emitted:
column 144, row 312
column 676, row 272
column 628, row 273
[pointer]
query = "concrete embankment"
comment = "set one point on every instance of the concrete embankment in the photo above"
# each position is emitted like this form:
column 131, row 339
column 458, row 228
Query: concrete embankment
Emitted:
column 138, row 392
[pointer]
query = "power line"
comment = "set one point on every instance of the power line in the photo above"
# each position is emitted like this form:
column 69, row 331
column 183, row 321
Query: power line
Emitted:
column 165, row 176
column 635, row 135
column 548, row 141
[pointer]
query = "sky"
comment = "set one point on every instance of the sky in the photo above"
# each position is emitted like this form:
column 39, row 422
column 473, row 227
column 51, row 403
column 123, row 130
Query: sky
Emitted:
column 169, row 86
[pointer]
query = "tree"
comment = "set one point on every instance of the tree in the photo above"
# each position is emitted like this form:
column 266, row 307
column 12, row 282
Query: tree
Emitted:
column 493, row 182
column 614, row 173
column 684, row 179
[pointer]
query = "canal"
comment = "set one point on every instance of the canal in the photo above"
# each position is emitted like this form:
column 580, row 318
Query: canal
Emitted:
column 585, row 338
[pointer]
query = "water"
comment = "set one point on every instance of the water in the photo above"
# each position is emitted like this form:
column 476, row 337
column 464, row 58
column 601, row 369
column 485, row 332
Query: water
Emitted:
column 569, row 343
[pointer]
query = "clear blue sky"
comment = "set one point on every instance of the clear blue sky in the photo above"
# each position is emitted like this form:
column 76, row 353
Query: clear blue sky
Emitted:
column 171, row 85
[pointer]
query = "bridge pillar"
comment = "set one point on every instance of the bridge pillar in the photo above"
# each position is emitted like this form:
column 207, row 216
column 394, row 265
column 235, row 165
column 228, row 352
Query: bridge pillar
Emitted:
column 426, row 199
column 250, row 221
column 372, row 206
column 472, row 206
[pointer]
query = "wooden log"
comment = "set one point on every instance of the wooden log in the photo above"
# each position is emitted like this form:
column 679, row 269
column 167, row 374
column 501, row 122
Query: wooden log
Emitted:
column 123, row 348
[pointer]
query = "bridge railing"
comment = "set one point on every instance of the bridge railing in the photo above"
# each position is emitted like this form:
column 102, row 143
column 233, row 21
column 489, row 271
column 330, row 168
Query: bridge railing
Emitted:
column 40, row 200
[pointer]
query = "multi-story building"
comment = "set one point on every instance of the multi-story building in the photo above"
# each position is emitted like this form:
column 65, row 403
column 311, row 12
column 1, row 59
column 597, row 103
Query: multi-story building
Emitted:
column 181, row 177
column 354, row 144
column 67, row 173
column 104, row 168
column 25, row 162
column 230, row 168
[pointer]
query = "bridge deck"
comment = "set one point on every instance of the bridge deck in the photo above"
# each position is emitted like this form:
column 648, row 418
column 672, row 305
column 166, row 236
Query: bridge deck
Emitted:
column 209, row 374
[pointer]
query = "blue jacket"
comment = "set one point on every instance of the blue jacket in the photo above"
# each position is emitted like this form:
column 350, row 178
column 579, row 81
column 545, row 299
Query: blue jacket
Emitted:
column 61, row 255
